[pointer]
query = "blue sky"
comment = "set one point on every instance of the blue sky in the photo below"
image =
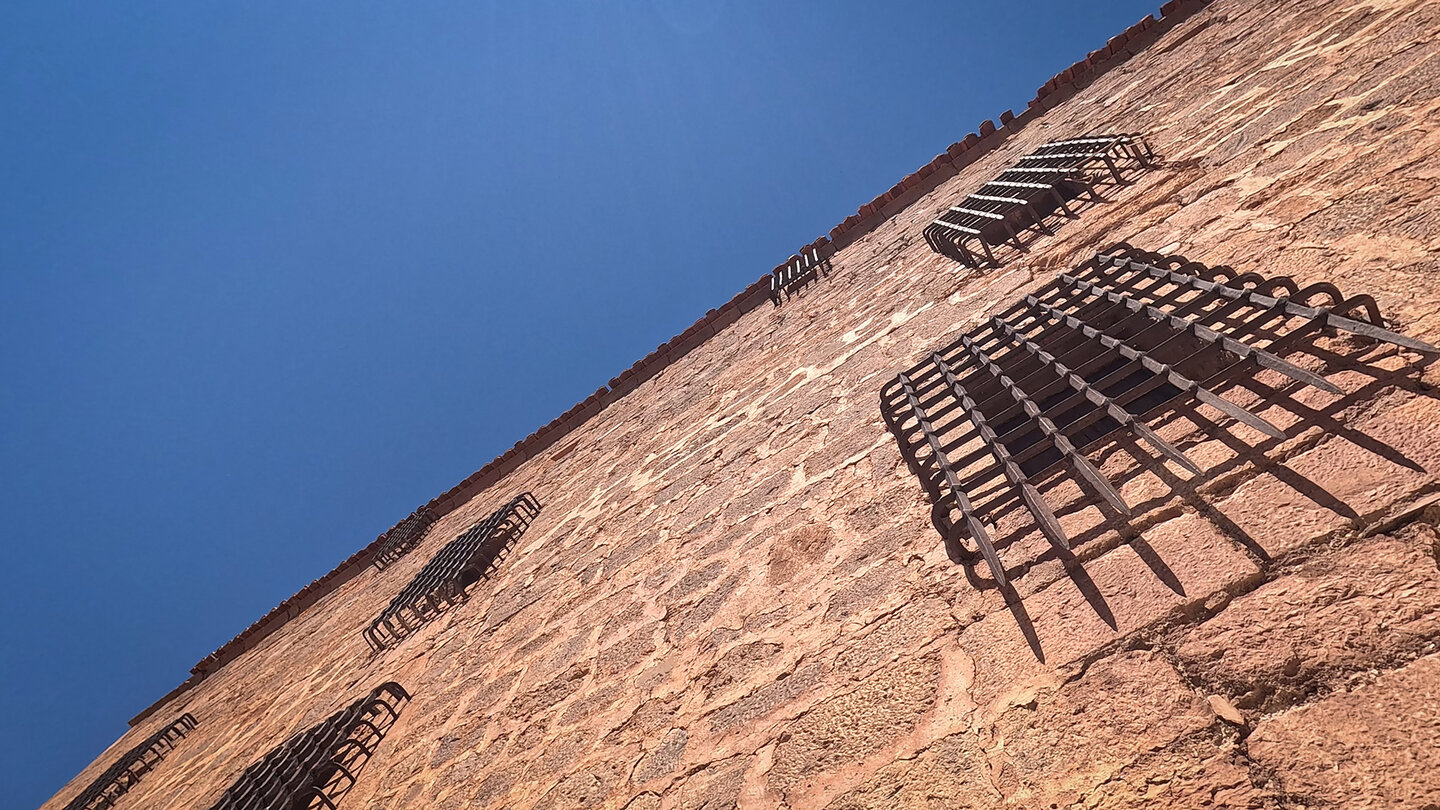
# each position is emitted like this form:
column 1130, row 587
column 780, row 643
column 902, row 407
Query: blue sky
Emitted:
column 276, row 273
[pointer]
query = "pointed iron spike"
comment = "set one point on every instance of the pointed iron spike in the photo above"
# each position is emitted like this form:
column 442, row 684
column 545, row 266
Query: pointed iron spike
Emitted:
column 1374, row 332
column 1261, row 424
column 977, row 529
column 1169, row 450
column 1341, row 322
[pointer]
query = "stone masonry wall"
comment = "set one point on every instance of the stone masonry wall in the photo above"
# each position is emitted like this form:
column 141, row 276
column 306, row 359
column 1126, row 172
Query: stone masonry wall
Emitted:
column 733, row 595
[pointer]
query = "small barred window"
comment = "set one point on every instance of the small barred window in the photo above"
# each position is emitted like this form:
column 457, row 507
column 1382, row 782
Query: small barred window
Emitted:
column 317, row 767
column 406, row 535
column 1054, row 180
column 118, row 779
column 456, row 566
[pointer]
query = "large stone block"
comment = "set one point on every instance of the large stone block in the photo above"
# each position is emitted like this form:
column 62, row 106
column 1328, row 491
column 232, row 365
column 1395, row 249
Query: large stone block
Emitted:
column 1172, row 569
column 1342, row 612
column 1377, row 746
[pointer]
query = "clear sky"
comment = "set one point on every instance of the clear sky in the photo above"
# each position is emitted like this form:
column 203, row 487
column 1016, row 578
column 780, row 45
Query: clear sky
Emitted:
column 276, row 273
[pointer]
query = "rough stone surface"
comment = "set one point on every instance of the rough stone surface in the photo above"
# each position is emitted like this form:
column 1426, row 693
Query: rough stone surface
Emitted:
column 1083, row 735
column 1194, row 773
column 733, row 595
column 1373, row 605
column 1378, row 746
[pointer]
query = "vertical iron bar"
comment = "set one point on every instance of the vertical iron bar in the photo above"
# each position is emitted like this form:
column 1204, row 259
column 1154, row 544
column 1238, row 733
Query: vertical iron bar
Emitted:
column 1046, row 519
column 967, row 511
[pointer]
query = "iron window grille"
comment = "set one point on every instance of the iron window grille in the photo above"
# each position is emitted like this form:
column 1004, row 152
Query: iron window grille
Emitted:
column 317, row 767
column 119, row 778
column 405, row 536
column 1093, row 352
column 790, row 277
column 1053, row 178
column 443, row 580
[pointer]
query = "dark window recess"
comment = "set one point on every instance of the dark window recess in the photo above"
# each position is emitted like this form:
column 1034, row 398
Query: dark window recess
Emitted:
column 790, row 277
column 406, row 535
column 1056, row 179
column 456, row 566
column 315, row 768
column 1095, row 352
column 117, row 780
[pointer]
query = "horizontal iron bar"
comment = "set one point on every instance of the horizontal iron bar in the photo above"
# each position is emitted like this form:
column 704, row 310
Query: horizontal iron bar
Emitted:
column 1289, row 307
column 987, row 214
column 1066, row 155
column 1014, row 200
column 952, row 226
column 1019, row 184
column 1206, row 334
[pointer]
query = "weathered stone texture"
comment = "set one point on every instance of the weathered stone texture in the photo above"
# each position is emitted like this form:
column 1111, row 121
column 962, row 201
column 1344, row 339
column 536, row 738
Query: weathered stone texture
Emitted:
column 1378, row 746
column 733, row 595
column 1372, row 605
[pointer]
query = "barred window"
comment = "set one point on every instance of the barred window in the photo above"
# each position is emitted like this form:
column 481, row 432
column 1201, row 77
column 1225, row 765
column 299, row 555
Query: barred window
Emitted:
column 1054, row 180
column 1094, row 352
column 117, row 780
column 404, row 536
column 443, row 580
column 803, row 268
column 317, row 767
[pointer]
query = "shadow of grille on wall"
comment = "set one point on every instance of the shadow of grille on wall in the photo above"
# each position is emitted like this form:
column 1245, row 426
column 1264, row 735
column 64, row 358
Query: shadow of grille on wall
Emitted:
column 405, row 536
column 1053, row 181
column 1092, row 353
column 315, row 768
column 118, row 779
column 444, row 578
column 800, row 270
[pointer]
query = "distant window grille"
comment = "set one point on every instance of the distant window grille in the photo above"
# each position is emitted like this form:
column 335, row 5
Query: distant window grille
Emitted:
column 1049, row 181
column 405, row 536
column 317, row 767
column 118, row 779
column 790, row 277
column 1093, row 352
column 443, row 580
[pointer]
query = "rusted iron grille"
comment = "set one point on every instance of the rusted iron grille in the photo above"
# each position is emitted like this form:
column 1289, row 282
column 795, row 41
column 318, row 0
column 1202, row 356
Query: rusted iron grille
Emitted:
column 315, row 768
column 982, row 418
column 461, row 562
column 405, row 536
column 1050, row 180
column 788, row 278
column 117, row 780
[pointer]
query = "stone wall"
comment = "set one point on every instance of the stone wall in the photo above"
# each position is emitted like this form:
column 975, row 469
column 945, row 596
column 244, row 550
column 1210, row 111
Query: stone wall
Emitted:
column 734, row 595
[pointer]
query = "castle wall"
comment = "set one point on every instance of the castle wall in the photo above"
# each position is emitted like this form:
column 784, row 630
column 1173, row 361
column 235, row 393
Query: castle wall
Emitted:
column 733, row 593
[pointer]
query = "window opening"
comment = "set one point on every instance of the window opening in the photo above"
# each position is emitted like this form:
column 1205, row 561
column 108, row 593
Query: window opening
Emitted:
column 443, row 580
column 317, row 767
column 1055, row 178
column 1092, row 353
column 119, row 778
